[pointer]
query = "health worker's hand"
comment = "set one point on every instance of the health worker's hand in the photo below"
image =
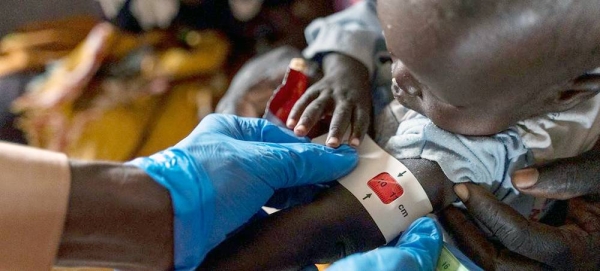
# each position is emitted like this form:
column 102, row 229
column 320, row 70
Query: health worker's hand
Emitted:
column 528, row 244
column 226, row 169
column 344, row 92
column 418, row 249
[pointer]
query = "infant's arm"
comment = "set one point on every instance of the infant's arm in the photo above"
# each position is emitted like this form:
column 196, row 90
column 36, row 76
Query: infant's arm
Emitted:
column 333, row 226
column 344, row 43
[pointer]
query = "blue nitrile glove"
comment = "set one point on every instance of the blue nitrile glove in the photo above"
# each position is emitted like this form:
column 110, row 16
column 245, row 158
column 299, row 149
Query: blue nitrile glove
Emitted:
column 226, row 169
column 418, row 249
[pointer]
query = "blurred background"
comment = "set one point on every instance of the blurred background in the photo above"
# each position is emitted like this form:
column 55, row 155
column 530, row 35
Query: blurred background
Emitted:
column 117, row 79
column 17, row 12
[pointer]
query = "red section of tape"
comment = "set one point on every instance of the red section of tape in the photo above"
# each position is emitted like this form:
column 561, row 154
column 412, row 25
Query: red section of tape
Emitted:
column 385, row 187
column 284, row 98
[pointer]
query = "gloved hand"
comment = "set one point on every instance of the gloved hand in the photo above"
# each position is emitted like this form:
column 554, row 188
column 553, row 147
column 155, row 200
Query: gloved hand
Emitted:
column 418, row 249
column 226, row 169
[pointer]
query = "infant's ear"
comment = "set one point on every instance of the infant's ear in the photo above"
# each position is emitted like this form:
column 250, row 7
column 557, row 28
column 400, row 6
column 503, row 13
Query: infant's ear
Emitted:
column 580, row 89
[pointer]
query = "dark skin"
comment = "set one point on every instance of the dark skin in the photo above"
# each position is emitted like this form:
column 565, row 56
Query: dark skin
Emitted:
column 343, row 93
column 317, row 234
column 338, row 104
column 509, row 61
column 503, row 68
column 520, row 243
column 118, row 217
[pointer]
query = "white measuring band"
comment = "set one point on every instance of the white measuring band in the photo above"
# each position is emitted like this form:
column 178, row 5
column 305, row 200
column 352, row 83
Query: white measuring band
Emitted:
column 386, row 188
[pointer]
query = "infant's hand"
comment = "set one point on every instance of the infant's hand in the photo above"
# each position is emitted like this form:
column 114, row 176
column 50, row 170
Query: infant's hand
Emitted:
column 344, row 91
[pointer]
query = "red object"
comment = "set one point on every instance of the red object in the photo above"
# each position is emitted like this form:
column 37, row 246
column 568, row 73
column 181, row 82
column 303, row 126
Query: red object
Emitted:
column 293, row 86
column 385, row 187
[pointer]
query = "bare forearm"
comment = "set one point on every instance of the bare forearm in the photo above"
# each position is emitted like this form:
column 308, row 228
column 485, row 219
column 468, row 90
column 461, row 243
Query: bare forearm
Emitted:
column 334, row 225
column 324, row 230
column 336, row 63
column 118, row 217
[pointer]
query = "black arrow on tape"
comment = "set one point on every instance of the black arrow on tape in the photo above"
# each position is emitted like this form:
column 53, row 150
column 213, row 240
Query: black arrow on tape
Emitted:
column 367, row 196
column 401, row 173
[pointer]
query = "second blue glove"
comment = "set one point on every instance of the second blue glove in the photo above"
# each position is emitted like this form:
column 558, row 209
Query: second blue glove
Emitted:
column 418, row 249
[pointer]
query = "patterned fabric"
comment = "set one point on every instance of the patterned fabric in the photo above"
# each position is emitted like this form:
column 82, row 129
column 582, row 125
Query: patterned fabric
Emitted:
column 118, row 96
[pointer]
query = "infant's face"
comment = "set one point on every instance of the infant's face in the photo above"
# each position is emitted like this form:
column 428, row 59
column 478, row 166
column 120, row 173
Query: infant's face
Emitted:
column 473, row 68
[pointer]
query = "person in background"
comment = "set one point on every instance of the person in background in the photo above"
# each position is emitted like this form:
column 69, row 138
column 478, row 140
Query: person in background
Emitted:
column 252, row 26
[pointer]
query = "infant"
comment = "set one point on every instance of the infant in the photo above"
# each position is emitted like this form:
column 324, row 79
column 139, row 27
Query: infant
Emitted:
column 481, row 89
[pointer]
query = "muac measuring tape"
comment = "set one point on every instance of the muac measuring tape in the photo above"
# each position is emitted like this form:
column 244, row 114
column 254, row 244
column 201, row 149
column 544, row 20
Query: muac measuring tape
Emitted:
column 386, row 188
column 448, row 262
column 391, row 194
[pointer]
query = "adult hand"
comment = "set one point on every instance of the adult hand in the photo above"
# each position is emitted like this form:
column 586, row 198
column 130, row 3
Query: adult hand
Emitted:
column 418, row 249
column 226, row 169
column 527, row 244
column 344, row 92
column 562, row 179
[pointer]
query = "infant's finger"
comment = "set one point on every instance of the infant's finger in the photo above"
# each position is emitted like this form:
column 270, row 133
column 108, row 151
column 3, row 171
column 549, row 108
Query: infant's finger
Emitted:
column 562, row 179
column 360, row 124
column 299, row 108
column 312, row 114
column 339, row 124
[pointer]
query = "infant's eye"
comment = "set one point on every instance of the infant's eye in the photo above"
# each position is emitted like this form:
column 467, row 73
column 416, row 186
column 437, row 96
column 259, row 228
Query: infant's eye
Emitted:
column 594, row 71
column 591, row 77
column 383, row 57
column 593, row 74
column 589, row 81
